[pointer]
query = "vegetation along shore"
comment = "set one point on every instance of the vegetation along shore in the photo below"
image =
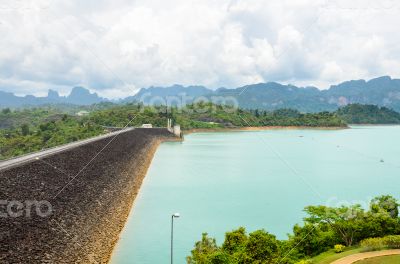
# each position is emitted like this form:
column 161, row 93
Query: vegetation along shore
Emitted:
column 327, row 234
column 24, row 131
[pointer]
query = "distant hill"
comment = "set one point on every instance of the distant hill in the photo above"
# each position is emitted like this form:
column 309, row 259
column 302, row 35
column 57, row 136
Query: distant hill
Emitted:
column 78, row 96
column 383, row 91
column 173, row 95
column 272, row 96
column 368, row 114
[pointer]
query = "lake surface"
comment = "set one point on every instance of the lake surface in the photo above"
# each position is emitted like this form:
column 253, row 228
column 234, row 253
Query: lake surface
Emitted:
column 260, row 179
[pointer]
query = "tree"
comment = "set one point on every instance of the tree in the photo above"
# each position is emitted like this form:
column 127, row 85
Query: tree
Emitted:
column 6, row 111
column 261, row 247
column 378, row 225
column 235, row 240
column 345, row 221
column 203, row 250
column 25, row 130
column 287, row 113
column 385, row 203
column 219, row 257
column 257, row 247
column 312, row 239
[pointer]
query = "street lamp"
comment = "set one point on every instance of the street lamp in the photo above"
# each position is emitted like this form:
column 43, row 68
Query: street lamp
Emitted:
column 176, row 215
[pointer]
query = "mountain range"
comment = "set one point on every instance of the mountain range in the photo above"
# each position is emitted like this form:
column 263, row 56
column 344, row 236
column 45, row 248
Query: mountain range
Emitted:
column 382, row 91
column 78, row 96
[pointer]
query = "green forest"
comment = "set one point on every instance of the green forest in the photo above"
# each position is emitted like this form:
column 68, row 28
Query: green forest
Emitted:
column 334, row 229
column 27, row 130
column 368, row 114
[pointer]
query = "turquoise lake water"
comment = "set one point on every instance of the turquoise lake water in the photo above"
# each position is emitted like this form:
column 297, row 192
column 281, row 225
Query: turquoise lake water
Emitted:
column 260, row 179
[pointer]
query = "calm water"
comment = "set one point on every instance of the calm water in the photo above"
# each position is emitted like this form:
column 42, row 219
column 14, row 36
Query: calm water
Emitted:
column 263, row 179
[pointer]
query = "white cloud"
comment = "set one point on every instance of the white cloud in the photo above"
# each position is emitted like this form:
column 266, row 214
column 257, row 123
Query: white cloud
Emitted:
column 332, row 72
column 116, row 47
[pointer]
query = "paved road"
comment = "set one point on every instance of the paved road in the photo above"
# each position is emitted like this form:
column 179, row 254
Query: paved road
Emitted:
column 51, row 151
column 361, row 256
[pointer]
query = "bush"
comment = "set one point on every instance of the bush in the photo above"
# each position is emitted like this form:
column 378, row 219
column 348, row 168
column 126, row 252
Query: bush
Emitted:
column 392, row 241
column 339, row 248
column 371, row 244
column 304, row 261
column 379, row 243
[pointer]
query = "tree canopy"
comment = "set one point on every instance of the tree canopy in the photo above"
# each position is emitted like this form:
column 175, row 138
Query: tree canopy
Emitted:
column 323, row 228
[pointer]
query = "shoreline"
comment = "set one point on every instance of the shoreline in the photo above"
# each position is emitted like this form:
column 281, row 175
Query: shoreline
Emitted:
column 374, row 125
column 260, row 128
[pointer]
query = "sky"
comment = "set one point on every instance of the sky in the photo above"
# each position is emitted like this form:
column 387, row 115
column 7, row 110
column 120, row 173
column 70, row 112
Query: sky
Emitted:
column 117, row 47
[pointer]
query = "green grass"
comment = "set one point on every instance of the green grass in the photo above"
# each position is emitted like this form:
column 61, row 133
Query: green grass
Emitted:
column 331, row 255
column 381, row 260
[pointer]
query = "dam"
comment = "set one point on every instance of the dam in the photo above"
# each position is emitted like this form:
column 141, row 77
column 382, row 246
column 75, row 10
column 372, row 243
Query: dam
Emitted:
column 69, row 204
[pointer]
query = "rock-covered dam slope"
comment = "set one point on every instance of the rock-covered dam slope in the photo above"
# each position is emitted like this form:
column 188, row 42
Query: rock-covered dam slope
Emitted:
column 70, row 207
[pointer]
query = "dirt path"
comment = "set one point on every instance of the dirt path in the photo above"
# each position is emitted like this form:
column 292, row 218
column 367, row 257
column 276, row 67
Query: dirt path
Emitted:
column 366, row 255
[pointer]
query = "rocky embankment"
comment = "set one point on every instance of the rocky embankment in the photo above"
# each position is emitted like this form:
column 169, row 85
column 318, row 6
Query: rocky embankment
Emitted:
column 70, row 207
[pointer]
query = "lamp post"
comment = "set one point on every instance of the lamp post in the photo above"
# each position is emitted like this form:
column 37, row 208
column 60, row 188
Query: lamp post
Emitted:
column 176, row 215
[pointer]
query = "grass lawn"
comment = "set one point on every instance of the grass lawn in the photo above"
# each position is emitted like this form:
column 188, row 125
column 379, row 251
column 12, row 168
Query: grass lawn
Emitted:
column 331, row 255
column 381, row 260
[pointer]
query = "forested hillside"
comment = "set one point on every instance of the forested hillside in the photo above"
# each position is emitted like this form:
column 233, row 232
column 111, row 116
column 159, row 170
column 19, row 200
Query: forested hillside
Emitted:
column 31, row 130
column 28, row 130
column 368, row 114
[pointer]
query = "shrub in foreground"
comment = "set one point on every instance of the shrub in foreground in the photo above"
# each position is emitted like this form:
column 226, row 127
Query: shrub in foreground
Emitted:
column 339, row 248
column 379, row 243
column 238, row 247
column 392, row 241
column 304, row 261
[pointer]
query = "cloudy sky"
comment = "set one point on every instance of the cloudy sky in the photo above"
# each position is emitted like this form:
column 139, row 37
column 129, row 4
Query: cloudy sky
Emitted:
column 116, row 47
